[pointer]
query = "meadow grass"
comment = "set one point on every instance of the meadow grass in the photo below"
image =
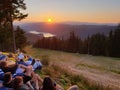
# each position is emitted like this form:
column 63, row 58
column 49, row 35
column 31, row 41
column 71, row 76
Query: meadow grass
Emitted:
column 52, row 66
column 93, row 62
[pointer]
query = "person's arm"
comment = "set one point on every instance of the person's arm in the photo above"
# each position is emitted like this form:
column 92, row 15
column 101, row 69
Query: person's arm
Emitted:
column 22, row 66
column 29, row 85
column 39, row 78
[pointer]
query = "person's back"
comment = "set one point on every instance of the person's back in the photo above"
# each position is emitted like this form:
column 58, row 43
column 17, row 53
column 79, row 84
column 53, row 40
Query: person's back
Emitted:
column 21, row 56
column 48, row 84
column 5, row 68
column 22, row 62
column 37, row 65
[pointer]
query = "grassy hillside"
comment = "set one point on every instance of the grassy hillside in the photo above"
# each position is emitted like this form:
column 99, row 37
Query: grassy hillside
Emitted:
column 88, row 72
column 96, row 62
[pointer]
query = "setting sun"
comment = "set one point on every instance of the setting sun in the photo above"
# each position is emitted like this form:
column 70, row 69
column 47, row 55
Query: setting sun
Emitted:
column 49, row 20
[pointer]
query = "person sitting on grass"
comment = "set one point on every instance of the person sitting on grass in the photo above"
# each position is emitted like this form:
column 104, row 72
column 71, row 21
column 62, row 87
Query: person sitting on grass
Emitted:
column 12, row 68
column 29, row 58
column 21, row 61
column 8, row 80
column 19, row 85
column 21, row 55
column 37, row 65
column 27, row 75
column 48, row 84
column 5, row 68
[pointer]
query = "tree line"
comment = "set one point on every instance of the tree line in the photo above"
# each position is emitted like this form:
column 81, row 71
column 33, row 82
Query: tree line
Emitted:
column 97, row 44
column 6, row 40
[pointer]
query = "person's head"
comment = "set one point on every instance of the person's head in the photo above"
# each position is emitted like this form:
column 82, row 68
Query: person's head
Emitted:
column 3, row 64
column 33, row 62
column 18, row 81
column 10, row 55
column 48, row 84
column 7, row 77
column 29, row 58
column 21, row 60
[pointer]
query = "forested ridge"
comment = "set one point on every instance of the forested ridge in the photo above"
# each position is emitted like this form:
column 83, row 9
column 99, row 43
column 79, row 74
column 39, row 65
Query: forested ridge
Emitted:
column 97, row 44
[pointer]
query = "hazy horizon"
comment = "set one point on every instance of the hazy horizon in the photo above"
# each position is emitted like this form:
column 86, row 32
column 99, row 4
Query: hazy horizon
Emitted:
column 69, row 23
column 91, row 11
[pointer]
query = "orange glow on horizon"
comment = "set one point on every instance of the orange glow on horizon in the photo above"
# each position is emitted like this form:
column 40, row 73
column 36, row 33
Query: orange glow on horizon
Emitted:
column 82, row 18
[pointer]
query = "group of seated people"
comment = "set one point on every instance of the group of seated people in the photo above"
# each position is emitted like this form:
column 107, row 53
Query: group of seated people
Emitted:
column 36, row 64
column 21, row 75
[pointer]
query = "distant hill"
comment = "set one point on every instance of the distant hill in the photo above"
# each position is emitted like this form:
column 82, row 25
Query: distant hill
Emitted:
column 32, row 38
column 63, row 29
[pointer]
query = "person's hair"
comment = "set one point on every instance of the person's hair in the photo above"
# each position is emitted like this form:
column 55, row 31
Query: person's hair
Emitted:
column 17, row 81
column 3, row 64
column 48, row 84
column 7, row 77
column 21, row 60
column 33, row 62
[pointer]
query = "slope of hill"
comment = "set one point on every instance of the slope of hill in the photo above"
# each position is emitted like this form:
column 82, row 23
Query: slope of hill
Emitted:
column 102, row 72
column 32, row 38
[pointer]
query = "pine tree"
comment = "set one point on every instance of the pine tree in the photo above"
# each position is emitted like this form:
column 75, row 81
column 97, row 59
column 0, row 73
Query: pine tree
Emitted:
column 114, row 42
column 21, row 40
column 10, row 10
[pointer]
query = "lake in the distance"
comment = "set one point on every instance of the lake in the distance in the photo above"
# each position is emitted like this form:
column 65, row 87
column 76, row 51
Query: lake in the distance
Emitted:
column 44, row 34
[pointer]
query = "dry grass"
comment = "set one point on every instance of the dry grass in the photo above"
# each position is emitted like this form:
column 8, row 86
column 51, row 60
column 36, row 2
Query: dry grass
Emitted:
column 88, row 72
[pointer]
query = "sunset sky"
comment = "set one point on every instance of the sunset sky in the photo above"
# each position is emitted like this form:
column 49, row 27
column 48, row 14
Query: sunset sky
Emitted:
column 99, row 11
